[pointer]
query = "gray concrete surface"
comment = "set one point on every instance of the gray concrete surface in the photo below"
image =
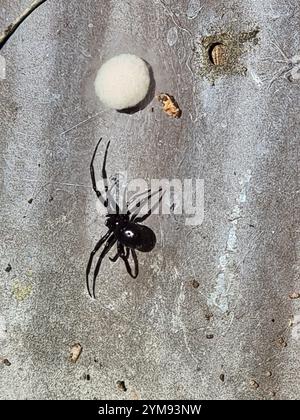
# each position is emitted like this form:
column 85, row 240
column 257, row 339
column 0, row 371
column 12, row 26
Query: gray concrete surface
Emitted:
column 241, row 135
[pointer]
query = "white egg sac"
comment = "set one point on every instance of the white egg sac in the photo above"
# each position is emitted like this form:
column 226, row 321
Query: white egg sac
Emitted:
column 122, row 82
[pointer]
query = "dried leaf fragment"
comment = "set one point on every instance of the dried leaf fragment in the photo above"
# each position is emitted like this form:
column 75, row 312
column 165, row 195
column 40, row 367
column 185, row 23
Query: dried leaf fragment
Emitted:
column 281, row 342
column 75, row 353
column 170, row 106
column 254, row 384
column 294, row 295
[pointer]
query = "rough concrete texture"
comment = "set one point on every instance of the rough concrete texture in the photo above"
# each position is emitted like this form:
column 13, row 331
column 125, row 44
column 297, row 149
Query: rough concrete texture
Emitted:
column 241, row 135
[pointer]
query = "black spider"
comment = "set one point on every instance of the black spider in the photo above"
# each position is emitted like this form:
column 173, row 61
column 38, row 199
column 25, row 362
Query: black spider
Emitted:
column 124, row 228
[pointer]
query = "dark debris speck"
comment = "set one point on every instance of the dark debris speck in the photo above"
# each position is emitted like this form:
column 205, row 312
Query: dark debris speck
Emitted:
column 208, row 316
column 195, row 284
column 8, row 268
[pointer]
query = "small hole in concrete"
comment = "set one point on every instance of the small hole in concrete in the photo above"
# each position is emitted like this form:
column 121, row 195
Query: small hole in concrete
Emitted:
column 217, row 54
column 195, row 284
column 121, row 385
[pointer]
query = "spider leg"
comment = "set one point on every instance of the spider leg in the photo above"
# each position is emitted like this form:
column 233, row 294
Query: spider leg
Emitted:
column 115, row 258
column 139, row 205
column 127, row 265
column 120, row 253
column 92, row 171
column 136, row 263
column 104, row 199
column 140, row 219
column 97, row 247
column 134, row 197
column 110, row 201
column 109, row 244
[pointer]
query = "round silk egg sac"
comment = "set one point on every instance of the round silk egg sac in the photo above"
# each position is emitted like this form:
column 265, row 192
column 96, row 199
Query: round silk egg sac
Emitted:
column 122, row 82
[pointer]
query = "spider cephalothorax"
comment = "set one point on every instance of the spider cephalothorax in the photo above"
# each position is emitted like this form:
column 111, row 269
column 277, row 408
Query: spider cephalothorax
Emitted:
column 124, row 227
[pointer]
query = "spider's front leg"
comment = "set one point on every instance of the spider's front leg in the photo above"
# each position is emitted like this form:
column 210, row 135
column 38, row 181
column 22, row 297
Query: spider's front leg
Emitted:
column 92, row 171
column 134, row 216
column 97, row 247
column 109, row 244
column 105, row 198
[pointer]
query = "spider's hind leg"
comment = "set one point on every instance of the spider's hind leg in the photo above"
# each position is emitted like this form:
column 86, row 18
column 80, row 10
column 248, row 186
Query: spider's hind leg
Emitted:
column 120, row 253
column 125, row 258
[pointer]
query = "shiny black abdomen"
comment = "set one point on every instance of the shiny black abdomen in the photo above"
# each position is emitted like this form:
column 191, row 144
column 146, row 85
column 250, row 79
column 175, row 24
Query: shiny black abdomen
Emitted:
column 135, row 236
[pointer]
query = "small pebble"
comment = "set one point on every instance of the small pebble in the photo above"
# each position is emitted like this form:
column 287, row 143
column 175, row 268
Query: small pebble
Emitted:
column 5, row 361
column 75, row 353
column 269, row 374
